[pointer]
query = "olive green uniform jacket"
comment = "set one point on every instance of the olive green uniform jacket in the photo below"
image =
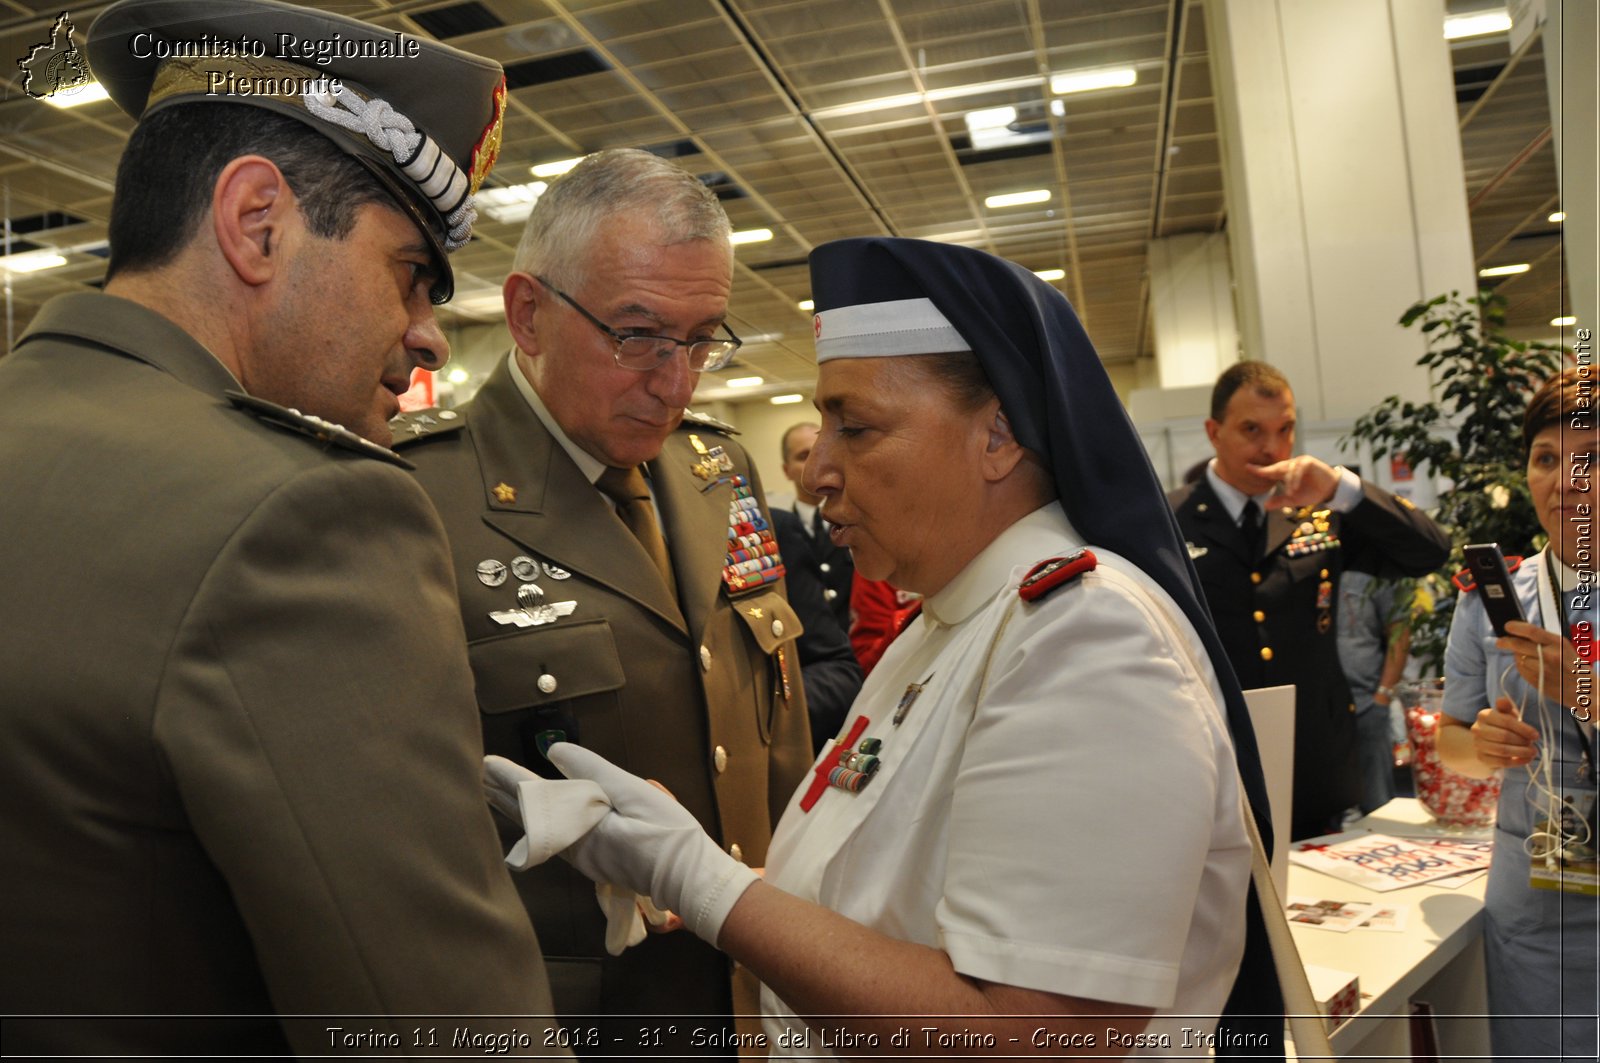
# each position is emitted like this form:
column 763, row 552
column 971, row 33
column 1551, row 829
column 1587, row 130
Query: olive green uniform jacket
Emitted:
column 239, row 767
column 693, row 697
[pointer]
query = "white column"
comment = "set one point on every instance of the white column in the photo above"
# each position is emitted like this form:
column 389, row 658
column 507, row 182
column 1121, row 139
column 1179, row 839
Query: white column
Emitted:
column 1570, row 64
column 1191, row 308
column 1345, row 191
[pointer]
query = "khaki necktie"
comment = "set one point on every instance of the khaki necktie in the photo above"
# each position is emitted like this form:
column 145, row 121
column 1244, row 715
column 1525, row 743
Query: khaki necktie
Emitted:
column 626, row 487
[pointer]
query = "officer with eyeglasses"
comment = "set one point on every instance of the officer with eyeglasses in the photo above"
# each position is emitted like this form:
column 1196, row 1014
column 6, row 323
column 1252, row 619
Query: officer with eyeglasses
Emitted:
column 619, row 583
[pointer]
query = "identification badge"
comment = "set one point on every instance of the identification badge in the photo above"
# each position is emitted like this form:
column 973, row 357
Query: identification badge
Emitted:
column 1563, row 848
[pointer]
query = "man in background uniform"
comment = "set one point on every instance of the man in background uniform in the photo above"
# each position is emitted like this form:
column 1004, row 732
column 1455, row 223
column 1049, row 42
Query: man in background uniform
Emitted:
column 1269, row 535
column 239, row 769
column 833, row 678
column 834, row 566
column 617, row 574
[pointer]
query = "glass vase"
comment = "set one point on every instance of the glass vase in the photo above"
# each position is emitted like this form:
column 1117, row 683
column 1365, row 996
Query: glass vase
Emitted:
column 1453, row 800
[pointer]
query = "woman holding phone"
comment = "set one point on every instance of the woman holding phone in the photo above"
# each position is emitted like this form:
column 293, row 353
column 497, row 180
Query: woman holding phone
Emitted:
column 1523, row 703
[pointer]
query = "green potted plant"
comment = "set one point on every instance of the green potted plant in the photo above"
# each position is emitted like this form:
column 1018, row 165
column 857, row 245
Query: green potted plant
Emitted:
column 1469, row 438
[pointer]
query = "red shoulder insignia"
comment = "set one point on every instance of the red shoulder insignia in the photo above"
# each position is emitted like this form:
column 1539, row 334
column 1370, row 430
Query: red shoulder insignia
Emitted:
column 1466, row 584
column 1047, row 575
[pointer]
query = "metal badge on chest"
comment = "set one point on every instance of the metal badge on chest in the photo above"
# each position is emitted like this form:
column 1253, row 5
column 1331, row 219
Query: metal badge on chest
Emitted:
column 533, row 608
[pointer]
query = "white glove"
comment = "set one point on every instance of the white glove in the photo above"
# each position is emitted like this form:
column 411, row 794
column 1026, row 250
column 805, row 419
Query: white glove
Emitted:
column 652, row 845
column 554, row 814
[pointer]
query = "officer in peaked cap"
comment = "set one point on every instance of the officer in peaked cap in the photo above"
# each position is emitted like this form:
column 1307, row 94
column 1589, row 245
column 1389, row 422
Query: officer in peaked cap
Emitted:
column 422, row 117
column 240, row 762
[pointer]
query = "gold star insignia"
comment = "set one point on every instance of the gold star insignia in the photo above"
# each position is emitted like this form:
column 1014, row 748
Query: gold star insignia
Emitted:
column 505, row 493
column 755, row 612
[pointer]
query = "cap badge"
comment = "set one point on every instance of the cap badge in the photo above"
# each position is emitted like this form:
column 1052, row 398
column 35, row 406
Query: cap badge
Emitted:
column 487, row 149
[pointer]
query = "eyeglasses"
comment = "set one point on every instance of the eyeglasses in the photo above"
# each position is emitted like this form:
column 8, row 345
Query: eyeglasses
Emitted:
column 644, row 353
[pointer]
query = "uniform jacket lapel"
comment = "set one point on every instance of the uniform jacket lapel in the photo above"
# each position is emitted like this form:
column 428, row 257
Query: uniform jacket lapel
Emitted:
column 1211, row 526
column 557, row 514
column 696, row 513
column 1280, row 525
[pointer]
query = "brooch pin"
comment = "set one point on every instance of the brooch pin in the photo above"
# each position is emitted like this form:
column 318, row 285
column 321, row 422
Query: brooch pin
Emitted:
column 908, row 699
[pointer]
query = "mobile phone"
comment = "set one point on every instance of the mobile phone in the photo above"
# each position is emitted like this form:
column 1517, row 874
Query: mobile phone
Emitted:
column 1488, row 567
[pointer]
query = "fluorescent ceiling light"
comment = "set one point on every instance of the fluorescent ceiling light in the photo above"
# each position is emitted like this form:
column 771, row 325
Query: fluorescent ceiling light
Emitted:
column 1072, row 81
column 747, row 381
column 786, row 400
column 991, row 118
column 1018, row 199
column 1558, row 217
column 458, row 376
column 1563, row 322
column 512, row 203
column 1050, row 274
column 1476, row 25
column 910, row 99
column 751, row 236
column 1089, row 80
column 92, row 92
column 32, row 261
column 991, row 128
column 806, row 304
column 557, row 168
column 1504, row 271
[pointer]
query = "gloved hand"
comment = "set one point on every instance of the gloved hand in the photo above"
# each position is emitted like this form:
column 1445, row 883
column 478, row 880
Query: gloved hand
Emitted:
column 554, row 814
column 652, row 845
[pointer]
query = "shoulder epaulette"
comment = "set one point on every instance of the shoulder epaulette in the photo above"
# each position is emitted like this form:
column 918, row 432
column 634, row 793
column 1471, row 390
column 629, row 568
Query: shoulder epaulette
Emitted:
column 1055, row 572
column 1466, row 584
column 309, row 424
column 421, row 424
column 695, row 419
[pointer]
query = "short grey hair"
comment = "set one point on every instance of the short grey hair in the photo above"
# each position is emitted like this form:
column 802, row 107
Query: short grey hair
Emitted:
column 556, row 239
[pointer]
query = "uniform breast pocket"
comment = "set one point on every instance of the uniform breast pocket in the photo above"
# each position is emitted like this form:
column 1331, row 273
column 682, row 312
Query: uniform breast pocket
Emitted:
column 543, row 684
column 774, row 626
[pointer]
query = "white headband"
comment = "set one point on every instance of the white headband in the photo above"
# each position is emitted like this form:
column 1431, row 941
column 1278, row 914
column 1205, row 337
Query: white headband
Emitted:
column 881, row 330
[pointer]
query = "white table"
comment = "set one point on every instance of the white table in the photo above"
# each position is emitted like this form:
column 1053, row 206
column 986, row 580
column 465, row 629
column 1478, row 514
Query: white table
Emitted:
column 1438, row 958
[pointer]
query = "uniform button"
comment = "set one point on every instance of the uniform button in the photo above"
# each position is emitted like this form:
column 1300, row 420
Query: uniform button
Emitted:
column 736, row 852
column 1266, row 653
column 1201, row 508
column 705, row 658
column 1259, row 616
column 719, row 758
column 829, row 594
column 547, row 684
column 1352, row 706
column 1324, row 574
column 777, row 629
column 825, row 567
column 1255, row 577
